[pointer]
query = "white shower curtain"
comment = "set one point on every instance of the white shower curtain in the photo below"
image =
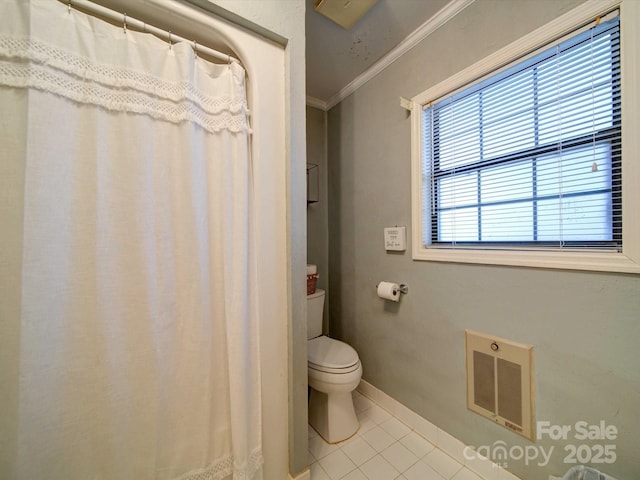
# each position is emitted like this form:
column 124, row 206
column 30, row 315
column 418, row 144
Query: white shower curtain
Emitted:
column 129, row 332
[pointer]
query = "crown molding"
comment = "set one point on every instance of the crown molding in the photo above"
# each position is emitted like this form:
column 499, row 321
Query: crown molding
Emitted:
column 317, row 103
column 440, row 18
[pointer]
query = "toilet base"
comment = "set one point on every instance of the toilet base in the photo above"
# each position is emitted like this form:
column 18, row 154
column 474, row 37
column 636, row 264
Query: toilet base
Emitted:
column 333, row 416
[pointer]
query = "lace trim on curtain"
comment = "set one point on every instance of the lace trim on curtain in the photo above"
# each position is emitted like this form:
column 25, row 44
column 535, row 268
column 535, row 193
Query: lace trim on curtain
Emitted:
column 226, row 466
column 37, row 65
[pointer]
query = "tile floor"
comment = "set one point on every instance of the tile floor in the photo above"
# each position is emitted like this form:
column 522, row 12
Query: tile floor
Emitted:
column 383, row 449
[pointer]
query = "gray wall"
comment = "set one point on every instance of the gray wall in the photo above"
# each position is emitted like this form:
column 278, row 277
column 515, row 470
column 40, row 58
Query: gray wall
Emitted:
column 317, row 213
column 585, row 327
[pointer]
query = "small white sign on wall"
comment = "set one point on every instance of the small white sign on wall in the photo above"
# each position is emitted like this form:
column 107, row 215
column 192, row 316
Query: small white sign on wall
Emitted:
column 395, row 239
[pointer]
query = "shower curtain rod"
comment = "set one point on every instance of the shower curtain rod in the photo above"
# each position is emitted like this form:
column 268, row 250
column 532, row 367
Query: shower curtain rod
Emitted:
column 145, row 27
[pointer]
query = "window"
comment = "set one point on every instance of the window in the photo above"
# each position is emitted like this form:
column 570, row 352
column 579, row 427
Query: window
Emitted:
column 526, row 163
column 532, row 154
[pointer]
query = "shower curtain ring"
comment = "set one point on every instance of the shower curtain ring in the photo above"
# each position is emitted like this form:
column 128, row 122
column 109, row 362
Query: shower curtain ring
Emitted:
column 69, row 7
column 195, row 49
column 170, row 41
column 125, row 23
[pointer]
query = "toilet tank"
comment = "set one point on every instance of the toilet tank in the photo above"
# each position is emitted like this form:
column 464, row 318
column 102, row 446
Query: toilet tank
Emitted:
column 315, row 307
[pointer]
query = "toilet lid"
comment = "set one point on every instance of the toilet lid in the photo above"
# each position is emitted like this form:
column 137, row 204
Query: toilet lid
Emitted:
column 328, row 352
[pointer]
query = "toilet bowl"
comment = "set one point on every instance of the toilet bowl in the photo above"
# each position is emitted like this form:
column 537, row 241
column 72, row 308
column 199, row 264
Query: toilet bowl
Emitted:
column 334, row 371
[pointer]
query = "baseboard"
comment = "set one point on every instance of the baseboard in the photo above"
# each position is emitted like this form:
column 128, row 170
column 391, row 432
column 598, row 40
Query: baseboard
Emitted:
column 453, row 447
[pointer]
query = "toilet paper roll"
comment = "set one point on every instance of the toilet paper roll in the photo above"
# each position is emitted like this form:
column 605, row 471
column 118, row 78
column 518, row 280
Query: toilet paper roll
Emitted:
column 312, row 269
column 389, row 291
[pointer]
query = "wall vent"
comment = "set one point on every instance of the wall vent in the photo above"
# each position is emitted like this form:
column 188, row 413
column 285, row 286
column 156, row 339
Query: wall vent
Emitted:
column 500, row 381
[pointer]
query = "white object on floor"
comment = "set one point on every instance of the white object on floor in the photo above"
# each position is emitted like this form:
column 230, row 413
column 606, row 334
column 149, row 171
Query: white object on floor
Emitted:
column 334, row 371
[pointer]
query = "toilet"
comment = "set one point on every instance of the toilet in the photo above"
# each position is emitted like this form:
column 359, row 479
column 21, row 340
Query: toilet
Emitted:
column 334, row 372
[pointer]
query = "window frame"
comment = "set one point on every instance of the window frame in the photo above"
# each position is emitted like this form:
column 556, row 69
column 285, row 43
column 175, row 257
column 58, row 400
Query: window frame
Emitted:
column 627, row 261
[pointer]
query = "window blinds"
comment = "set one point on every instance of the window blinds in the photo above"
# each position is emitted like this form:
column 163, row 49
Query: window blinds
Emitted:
column 532, row 155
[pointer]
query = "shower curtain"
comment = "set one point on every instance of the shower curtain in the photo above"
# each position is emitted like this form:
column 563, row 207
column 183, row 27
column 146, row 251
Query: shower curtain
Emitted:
column 129, row 330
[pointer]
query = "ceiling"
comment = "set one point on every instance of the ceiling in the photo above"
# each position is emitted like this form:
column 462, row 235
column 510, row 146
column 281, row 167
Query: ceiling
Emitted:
column 335, row 56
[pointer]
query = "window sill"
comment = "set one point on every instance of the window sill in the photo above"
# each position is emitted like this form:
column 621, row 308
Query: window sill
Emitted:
column 562, row 260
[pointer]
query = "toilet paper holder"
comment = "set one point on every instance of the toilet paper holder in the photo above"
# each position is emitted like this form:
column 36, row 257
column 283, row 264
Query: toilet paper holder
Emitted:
column 403, row 288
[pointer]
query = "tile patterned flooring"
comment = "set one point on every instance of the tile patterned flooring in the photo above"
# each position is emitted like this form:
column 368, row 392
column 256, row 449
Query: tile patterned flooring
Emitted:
column 384, row 448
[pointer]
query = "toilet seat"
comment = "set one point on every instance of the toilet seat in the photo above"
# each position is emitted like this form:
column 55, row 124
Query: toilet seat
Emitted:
column 320, row 368
column 331, row 356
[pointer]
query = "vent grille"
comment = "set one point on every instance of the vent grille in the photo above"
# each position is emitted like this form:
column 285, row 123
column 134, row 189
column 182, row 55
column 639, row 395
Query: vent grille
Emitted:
column 500, row 381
